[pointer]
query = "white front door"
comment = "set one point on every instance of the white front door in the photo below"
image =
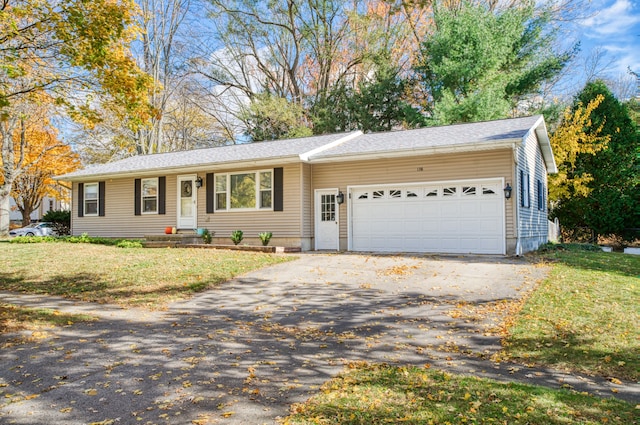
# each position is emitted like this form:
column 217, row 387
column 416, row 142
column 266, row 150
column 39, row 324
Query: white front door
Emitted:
column 187, row 202
column 327, row 220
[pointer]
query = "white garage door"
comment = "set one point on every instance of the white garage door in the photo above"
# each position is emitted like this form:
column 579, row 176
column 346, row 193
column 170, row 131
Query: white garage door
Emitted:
column 456, row 217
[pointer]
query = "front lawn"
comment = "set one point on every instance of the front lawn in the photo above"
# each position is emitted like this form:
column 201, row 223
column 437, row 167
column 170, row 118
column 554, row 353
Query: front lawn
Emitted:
column 584, row 317
column 127, row 276
column 381, row 394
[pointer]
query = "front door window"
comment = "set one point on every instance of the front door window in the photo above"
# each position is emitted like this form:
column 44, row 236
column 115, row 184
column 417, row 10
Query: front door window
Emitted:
column 328, row 207
column 186, row 201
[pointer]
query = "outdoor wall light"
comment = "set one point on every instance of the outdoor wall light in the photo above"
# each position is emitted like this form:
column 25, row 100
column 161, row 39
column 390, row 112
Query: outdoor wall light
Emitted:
column 199, row 182
column 507, row 191
column 340, row 198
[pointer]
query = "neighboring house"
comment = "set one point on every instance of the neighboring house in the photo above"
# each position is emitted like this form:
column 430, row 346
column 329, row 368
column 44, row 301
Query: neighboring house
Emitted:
column 437, row 189
column 46, row 205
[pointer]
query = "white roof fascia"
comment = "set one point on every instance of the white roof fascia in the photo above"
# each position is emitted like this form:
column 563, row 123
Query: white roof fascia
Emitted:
column 306, row 156
column 483, row 146
column 545, row 145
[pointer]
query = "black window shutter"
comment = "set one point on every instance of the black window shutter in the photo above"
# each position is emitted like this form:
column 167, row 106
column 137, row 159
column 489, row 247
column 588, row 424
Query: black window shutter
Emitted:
column 80, row 199
column 162, row 189
column 210, row 189
column 278, row 190
column 101, row 193
column 137, row 196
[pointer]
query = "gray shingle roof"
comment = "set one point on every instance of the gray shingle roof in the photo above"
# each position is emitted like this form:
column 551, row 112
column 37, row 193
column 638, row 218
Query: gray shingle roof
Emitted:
column 323, row 148
column 202, row 157
column 434, row 137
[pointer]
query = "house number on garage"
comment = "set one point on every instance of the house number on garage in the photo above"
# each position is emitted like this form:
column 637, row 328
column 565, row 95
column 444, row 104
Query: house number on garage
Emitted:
column 419, row 169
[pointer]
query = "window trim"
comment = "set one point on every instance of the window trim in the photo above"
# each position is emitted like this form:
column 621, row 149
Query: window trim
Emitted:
column 156, row 196
column 258, row 190
column 96, row 200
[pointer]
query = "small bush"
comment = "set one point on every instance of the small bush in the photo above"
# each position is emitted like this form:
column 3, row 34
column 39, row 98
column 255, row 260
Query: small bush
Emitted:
column 207, row 236
column 265, row 237
column 128, row 243
column 574, row 247
column 61, row 221
column 237, row 236
column 84, row 238
column 31, row 239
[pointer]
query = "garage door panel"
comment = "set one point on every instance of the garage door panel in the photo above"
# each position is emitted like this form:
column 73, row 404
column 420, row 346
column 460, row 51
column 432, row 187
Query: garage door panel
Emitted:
column 454, row 218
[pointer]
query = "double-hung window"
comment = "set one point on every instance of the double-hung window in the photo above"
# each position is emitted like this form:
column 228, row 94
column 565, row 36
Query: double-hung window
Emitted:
column 248, row 190
column 90, row 199
column 149, row 195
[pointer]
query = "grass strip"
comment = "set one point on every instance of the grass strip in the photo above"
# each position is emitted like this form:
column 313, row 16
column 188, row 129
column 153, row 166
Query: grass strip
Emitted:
column 382, row 394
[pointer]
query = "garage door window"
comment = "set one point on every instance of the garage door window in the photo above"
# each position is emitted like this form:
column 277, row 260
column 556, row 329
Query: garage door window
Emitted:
column 449, row 191
column 488, row 191
column 468, row 190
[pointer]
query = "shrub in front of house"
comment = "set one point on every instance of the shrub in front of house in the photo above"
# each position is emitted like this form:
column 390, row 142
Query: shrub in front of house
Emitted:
column 265, row 237
column 237, row 236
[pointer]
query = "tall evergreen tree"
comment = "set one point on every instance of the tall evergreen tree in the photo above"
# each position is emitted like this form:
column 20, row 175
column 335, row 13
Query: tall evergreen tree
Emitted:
column 479, row 63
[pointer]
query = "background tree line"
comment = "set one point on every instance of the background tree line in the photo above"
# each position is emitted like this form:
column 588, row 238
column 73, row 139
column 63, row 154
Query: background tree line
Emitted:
column 161, row 75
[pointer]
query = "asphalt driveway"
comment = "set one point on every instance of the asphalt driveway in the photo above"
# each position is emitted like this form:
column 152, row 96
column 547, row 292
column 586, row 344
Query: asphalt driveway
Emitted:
column 242, row 353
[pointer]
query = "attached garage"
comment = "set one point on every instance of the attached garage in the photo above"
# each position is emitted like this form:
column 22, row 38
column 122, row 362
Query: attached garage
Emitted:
column 446, row 217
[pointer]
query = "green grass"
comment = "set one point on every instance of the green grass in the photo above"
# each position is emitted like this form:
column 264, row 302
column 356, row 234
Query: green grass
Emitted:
column 126, row 276
column 584, row 317
column 381, row 394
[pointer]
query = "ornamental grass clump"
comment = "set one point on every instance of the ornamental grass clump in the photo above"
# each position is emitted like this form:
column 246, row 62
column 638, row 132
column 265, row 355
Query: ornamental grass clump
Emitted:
column 237, row 236
column 265, row 237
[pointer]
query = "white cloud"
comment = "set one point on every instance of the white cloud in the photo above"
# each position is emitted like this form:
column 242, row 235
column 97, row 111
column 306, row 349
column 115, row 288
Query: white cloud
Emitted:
column 622, row 57
column 618, row 18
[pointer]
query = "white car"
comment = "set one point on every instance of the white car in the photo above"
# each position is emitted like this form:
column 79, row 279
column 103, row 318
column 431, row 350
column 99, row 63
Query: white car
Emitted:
column 34, row 229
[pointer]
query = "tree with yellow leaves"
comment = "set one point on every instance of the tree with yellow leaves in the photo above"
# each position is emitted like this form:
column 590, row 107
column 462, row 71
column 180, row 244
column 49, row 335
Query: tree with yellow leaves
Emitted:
column 569, row 142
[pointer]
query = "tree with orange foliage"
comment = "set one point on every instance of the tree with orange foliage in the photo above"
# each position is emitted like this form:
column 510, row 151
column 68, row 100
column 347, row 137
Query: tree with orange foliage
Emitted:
column 44, row 157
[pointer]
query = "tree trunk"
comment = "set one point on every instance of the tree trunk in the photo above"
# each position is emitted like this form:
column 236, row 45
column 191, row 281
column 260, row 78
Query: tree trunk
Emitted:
column 5, row 205
column 26, row 211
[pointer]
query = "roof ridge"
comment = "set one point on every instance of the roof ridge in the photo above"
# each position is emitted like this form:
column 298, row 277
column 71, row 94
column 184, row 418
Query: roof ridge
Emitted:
column 305, row 156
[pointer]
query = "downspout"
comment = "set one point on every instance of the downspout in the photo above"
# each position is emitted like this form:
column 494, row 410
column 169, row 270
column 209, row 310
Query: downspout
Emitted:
column 517, row 202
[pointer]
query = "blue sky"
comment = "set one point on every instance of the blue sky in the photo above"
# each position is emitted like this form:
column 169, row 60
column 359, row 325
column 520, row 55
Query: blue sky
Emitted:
column 614, row 27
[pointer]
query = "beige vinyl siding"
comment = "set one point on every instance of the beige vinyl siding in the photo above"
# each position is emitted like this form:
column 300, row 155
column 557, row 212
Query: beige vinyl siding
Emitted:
column 283, row 224
column 120, row 220
column 532, row 221
column 429, row 168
